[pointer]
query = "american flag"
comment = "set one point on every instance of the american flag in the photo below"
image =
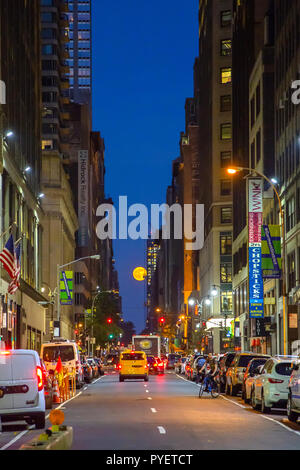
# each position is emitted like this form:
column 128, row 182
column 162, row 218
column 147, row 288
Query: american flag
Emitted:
column 15, row 283
column 7, row 257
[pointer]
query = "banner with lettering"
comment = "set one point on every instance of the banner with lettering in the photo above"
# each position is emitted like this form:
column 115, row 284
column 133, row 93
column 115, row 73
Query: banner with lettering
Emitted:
column 255, row 215
column 271, row 251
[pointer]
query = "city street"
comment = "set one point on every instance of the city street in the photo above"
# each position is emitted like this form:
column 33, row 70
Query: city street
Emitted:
column 163, row 414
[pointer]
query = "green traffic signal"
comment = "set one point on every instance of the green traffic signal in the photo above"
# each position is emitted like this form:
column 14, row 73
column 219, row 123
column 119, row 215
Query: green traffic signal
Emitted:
column 110, row 336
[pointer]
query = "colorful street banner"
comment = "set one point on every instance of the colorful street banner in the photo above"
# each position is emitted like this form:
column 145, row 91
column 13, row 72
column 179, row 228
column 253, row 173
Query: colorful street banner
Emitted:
column 66, row 288
column 271, row 251
column 255, row 214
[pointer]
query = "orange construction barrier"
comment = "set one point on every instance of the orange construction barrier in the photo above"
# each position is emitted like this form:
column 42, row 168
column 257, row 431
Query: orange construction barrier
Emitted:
column 55, row 391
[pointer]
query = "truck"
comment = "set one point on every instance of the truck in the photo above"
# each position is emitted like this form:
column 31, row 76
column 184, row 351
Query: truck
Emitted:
column 147, row 343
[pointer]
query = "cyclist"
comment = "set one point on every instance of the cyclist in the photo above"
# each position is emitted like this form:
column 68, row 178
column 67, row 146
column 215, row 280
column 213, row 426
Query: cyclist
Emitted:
column 210, row 369
column 200, row 364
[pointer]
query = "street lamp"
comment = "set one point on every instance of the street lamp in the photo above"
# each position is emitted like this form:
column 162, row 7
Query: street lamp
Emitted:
column 272, row 182
column 58, row 277
column 51, row 294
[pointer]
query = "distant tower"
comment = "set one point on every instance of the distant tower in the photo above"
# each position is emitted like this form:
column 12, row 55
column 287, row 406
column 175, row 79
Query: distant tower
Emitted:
column 80, row 48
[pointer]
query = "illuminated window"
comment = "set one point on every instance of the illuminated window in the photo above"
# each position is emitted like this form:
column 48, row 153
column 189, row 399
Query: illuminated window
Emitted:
column 225, row 75
column 226, row 301
column 226, row 47
column 47, row 144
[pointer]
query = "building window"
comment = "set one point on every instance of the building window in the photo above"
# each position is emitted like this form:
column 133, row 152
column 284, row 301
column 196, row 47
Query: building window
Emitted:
column 226, row 18
column 226, row 215
column 226, row 301
column 253, row 154
column 258, row 100
column 225, row 187
column 225, row 75
column 258, row 147
column 226, row 47
column 225, row 244
column 225, row 159
column 290, row 214
column 291, row 271
column 226, row 131
column 225, row 103
column 226, row 273
column 252, row 112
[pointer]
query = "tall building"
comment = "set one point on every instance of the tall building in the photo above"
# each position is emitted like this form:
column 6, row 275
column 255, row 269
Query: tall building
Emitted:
column 249, row 22
column 213, row 97
column 287, row 155
column 80, row 49
column 22, row 318
column 60, row 221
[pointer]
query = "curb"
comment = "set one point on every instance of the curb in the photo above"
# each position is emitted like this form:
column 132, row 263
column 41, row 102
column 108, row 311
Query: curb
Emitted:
column 61, row 440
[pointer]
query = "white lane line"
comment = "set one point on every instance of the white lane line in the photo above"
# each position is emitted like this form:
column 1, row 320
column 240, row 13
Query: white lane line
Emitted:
column 10, row 443
column 147, row 391
column 188, row 381
column 161, row 430
column 281, row 424
column 85, row 388
column 235, row 403
column 153, row 410
column 149, row 398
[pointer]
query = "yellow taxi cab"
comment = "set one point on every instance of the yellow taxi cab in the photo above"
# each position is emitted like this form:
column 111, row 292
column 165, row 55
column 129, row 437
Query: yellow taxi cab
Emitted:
column 133, row 365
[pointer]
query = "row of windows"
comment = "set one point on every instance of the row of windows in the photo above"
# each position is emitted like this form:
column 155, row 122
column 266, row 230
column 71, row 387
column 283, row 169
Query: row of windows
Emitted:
column 256, row 150
column 255, row 105
column 289, row 160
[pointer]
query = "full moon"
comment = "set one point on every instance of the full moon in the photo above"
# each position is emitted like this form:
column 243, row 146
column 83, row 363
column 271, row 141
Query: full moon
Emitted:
column 139, row 274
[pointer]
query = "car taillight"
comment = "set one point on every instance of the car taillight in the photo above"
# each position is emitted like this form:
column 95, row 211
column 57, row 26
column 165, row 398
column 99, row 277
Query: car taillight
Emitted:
column 39, row 374
column 160, row 364
column 275, row 381
column 119, row 367
column 77, row 365
column 146, row 367
column 155, row 365
column 4, row 353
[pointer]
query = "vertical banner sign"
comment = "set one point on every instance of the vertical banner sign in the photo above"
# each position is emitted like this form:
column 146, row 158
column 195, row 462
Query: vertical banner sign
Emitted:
column 255, row 209
column 66, row 288
column 83, row 197
column 271, row 251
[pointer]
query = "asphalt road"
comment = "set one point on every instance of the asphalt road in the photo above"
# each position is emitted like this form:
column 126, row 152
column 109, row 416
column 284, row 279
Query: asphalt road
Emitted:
column 164, row 414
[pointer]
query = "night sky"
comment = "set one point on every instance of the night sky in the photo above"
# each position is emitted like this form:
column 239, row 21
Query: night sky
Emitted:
column 143, row 56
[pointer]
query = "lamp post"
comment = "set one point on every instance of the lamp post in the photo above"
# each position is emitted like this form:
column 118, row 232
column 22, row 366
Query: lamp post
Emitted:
column 233, row 171
column 194, row 301
column 58, row 278
column 51, row 294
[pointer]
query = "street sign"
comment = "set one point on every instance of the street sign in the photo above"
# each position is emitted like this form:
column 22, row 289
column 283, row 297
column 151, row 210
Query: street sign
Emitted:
column 255, row 208
column 66, row 288
column 271, row 251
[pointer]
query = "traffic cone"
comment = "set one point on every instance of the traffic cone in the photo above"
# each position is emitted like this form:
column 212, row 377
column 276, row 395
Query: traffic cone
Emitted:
column 55, row 394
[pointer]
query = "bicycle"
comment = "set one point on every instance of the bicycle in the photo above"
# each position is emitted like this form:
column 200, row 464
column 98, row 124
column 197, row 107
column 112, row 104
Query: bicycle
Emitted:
column 213, row 387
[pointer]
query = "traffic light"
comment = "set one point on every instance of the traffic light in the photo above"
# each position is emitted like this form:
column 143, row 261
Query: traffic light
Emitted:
column 76, row 332
column 109, row 321
column 162, row 320
column 111, row 336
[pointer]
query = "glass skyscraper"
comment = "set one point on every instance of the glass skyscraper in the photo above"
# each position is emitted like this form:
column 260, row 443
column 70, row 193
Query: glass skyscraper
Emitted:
column 80, row 48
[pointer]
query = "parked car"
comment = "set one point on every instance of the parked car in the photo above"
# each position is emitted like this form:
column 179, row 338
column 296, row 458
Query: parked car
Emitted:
column 87, row 371
column 152, row 365
column 224, row 363
column 172, row 358
column 100, row 366
column 94, row 367
column 293, row 403
column 249, row 382
column 22, row 396
column 271, row 387
column 160, row 365
column 179, row 365
column 187, row 367
column 47, row 379
column 68, row 353
column 236, row 370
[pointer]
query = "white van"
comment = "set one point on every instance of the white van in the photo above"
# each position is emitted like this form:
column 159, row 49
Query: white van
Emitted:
column 22, row 387
column 68, row 353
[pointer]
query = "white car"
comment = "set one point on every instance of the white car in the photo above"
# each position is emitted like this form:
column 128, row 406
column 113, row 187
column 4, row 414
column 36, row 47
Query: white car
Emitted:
column 69, row 355
column 270, row 387
column 249, row 383
column 22, row 395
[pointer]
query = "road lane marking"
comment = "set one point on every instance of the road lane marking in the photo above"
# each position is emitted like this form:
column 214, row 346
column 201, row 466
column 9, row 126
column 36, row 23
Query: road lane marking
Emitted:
column 153, row 410
column 10, row 443
column 235, row 403
column 281, row 424
column 149, row 398
column 161, row 430
column 147, row 391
